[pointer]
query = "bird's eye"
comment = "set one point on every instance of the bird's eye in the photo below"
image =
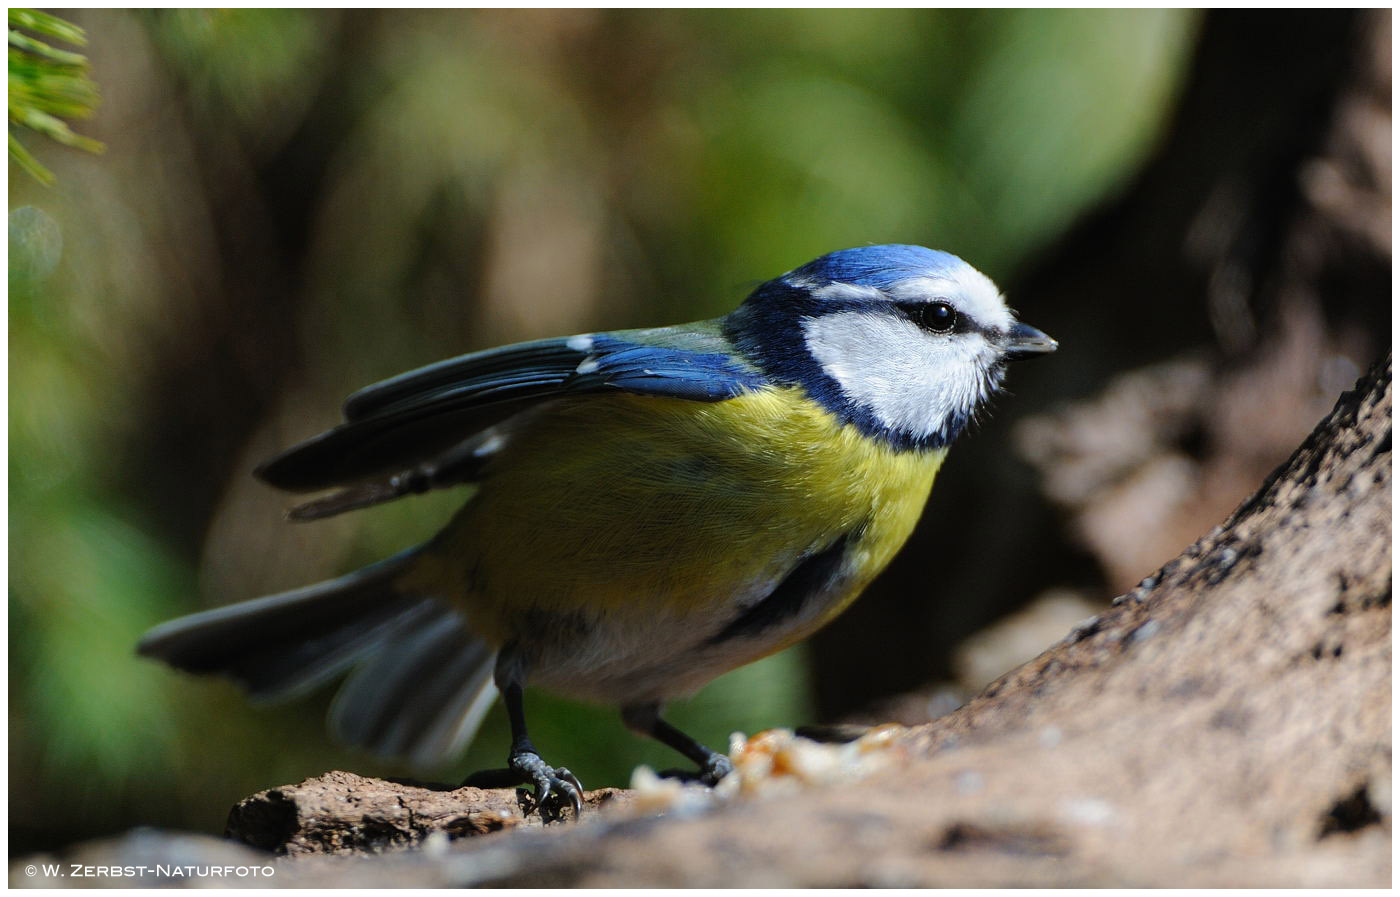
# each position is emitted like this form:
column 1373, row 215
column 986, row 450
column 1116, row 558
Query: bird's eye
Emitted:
column 935, row 317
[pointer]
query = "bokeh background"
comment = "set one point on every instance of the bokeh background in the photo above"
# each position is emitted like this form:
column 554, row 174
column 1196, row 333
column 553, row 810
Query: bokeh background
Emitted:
column 294, row 203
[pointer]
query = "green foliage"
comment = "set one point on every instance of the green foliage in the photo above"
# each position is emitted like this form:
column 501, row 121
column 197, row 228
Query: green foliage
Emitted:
column 47, row 85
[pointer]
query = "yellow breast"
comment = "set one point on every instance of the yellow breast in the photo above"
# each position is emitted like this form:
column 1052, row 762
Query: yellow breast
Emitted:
column 620, row 506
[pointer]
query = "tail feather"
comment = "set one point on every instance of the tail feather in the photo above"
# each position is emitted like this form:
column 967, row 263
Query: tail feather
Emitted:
column 423, row 698
column 422, row 683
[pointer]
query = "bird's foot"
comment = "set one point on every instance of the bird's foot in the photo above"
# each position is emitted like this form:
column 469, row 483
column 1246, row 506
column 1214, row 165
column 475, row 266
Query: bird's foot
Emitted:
column 555, row 787
column 715, row 767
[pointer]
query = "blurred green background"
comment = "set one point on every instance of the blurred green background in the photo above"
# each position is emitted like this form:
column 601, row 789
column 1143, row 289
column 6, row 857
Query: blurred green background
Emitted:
column 295, row 203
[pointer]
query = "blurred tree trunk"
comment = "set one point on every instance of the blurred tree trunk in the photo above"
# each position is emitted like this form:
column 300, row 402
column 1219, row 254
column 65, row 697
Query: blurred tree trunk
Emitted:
column 213, row 387
column 1265, row 211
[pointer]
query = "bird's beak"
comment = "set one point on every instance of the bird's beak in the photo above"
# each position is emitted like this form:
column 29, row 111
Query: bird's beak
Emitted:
column 1024, row 341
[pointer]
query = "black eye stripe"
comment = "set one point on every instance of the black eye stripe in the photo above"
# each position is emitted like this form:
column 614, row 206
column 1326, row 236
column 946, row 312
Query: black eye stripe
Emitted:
column 935, row 317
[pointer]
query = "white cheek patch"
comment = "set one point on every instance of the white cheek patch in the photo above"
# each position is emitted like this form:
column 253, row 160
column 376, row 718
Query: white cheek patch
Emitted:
column 911, row 381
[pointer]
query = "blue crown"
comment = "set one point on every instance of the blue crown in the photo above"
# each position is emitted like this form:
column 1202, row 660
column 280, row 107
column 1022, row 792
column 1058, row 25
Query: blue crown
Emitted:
column 879, row 266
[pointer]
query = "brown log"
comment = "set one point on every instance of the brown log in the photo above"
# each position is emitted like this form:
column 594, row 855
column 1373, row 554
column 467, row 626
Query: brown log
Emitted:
column 342, row 813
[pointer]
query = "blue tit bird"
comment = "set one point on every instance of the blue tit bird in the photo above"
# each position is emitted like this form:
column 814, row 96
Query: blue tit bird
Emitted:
column 652, row 508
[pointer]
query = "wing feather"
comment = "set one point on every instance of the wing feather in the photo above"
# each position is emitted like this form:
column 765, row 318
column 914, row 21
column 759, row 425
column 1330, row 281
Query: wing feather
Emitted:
column 401, row 426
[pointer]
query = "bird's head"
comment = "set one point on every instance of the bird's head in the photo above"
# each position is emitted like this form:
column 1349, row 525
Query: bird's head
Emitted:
column 902, row 341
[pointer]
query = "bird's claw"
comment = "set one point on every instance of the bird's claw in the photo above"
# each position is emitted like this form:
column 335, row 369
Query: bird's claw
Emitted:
column 552, row 785
column 709, row 774
column 716, row 768
column 576, row 793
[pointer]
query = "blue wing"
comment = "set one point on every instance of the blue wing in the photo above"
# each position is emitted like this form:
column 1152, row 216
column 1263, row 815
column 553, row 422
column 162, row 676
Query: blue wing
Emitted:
column 418, row 428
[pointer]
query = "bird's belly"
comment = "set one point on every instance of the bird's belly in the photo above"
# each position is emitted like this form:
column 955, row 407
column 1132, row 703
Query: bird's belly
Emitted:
column 635, row 659
column 618, row 537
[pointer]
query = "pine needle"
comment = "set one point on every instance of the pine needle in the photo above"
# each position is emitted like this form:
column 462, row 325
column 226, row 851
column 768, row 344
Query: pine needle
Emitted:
column 47, row 86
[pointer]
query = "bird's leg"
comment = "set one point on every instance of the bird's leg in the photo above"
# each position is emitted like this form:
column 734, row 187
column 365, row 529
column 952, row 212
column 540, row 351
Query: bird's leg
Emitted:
column 645, row 719
column 553, row 785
